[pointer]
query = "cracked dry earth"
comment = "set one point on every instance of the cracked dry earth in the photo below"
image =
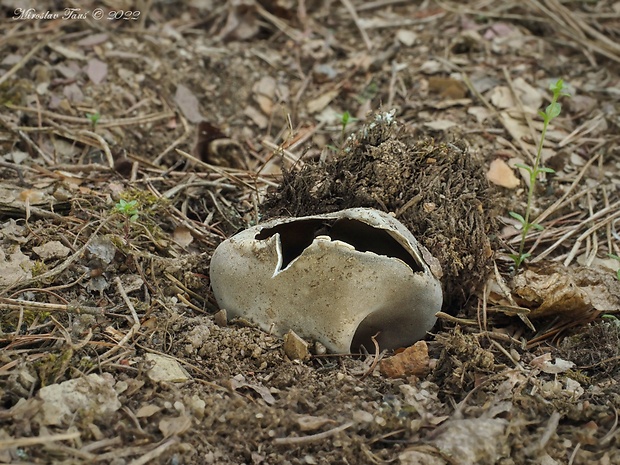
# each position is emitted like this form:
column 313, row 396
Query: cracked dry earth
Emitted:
column 131, row 145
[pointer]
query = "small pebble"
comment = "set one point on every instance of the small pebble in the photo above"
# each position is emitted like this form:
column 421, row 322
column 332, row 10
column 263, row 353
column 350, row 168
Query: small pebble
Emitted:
column 221, row 318
column 295, row 347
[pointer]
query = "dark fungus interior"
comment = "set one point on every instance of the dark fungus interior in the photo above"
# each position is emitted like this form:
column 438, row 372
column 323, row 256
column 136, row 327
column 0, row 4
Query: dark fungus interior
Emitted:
column 295, row 236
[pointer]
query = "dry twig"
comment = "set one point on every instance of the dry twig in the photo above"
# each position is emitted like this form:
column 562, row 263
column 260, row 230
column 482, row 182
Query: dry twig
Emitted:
column 37, row 440
column 16, row 304
column 351, row 9
column 296, row 441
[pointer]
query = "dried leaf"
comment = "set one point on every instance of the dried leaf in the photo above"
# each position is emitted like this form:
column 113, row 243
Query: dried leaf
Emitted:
column 501, row 174
column 265, row 103
column 544, row 364
column 147, row 411
column 517, row 128
column 96, row 70
column 265, row 86
column 431, row 67
column 530, row 96
column 73, row 93
column 447, row 87
column 132, row 282
column 52, row 249
column 319, row 103
column 480, row 113
column 256, row 116
column 323, row 72
column 188, row 104
column 175, row 426
column 582, row 104
column 11, row 59
column 449, row 102
column 242, row 21
column 264, row 93
column 67, row 52
column 312, row 423
column 406, row 37
column 239, row 382
column 440, row 124
column 183, row 236
column 551, row 289
column 14, row 266
column 501, row 98
column 94, row 39
column 498, row 30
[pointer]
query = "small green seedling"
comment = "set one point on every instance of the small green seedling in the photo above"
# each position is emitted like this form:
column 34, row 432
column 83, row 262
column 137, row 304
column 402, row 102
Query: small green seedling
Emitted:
column 551, row 112
column 345, row 120
column 94, row 119
column 615, row 257
column 611, row 318
column 129, row 209
column 368, row 93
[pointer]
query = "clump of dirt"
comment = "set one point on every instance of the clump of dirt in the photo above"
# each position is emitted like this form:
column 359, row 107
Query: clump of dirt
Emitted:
column 462, row 359
column 438, row 190
column 596, row 351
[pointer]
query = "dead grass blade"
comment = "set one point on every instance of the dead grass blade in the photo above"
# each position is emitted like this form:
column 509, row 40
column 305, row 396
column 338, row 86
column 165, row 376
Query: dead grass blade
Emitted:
column 351, row 9
column 312, row 438
column 36, row 440
column 16, row 304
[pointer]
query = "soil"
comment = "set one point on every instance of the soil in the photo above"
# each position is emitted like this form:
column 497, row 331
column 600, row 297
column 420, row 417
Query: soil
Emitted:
column 132, row 144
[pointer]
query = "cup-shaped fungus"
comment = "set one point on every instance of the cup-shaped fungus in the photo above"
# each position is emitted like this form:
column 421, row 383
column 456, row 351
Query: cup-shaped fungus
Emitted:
column 338, row 278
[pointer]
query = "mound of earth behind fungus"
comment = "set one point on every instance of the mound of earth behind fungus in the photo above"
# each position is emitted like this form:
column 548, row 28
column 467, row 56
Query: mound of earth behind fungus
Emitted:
column 438, row 190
